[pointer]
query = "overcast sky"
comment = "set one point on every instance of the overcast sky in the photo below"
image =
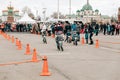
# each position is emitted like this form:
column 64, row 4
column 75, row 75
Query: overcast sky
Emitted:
column 106, row 7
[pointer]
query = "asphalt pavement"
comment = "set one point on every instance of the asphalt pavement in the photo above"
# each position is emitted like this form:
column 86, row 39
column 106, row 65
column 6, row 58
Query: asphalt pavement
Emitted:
column 82, row 62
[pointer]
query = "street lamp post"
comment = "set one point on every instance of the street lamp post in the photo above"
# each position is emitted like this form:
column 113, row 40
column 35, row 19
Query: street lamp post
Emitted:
column 69, row 9
column 36, row 13
column 44, row 13
column 58, row 11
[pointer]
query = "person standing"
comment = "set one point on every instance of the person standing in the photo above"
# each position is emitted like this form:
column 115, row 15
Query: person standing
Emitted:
column 3, row 27
column 86, row 36
column 74, row 26
column 101, row 27
column 91, row 32
column 117, row 28
column 96, row 29
column 67, row 27
column 104, row 29
column 108, row 29
column 112, row 29
column 78, row 30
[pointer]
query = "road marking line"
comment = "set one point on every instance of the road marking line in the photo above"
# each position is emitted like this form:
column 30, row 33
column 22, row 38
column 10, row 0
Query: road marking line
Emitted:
column 114, row 50
column 57, row 53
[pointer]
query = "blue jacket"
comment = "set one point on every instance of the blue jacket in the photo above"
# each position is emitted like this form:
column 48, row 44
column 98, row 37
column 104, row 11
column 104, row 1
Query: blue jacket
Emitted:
column 74, row 27
column 86, row 34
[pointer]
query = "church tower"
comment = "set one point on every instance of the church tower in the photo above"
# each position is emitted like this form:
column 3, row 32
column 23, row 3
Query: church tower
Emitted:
column 87, row 2
column 10, row 17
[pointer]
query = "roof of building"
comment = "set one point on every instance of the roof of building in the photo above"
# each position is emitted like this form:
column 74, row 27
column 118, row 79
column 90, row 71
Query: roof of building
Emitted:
column 10, row 10
column 105, row 16
column 96, row 10
column 78, row 11
column 86, row 7
column 72, row 16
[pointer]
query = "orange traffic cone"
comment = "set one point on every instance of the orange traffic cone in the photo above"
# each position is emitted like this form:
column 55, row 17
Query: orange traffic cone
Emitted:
column 17, row 42
column 97, row 44
column 82, row 42
column 27, row 50
column 0, row 32
column 13, row 39
column 34, row 58
column 45, row 71
column 8, row 37
column 20, row 46
column 5, row 35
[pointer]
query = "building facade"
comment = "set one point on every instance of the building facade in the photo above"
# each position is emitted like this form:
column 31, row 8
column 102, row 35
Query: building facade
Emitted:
column 119, row 14
column 87, row 15
column 10, row 15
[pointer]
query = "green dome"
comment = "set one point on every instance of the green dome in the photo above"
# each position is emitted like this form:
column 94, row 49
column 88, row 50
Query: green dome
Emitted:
column 78, row 11
column 82, row 10
column 96, row 10
column 87, row 7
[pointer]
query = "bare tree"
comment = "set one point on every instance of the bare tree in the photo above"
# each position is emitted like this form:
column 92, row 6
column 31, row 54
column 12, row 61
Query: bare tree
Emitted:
column 55, row 15
column 28, row 11
column 31, row 15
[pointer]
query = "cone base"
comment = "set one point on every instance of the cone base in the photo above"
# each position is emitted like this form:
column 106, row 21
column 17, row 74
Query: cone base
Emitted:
column 27, row 54
column 35, row 60
column 45, row 74
column 97, row 47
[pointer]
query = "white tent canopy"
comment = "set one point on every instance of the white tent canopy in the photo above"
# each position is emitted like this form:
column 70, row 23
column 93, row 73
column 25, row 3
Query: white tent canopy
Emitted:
column 26, row 19
column 52, row 20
